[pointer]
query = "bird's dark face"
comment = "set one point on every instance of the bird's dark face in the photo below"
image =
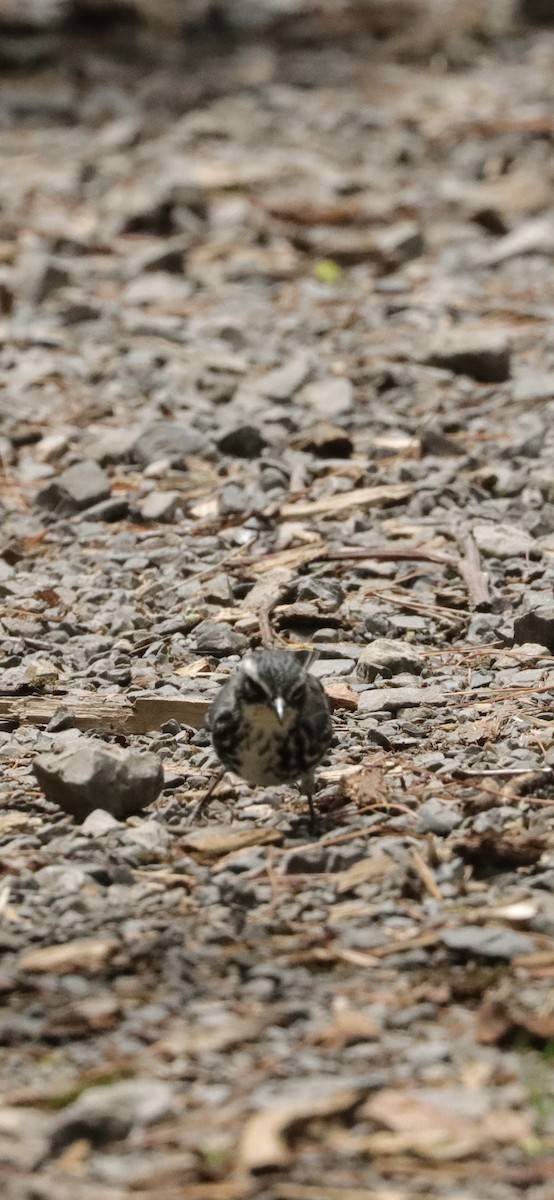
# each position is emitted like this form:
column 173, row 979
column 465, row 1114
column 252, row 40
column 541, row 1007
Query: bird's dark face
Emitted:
column 274, row 680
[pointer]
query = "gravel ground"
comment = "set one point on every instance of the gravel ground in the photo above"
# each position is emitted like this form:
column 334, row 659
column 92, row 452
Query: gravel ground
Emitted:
column 277, row 365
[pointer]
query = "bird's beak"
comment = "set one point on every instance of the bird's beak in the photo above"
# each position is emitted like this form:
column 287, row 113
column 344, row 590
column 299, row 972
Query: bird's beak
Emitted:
column 279, row 706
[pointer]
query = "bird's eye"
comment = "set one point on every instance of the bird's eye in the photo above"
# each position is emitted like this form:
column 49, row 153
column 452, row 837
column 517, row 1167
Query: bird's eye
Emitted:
column 296, row 695
column 253, row 692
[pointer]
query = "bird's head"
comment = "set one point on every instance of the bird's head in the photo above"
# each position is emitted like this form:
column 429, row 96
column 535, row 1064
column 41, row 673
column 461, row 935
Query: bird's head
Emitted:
column 275, row 679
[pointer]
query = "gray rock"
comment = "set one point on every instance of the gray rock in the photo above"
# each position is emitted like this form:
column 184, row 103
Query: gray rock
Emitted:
column 60, row 878
column 99, row 822
column 533, row 385
column 327, row 667
column 114, row 509
column 328, row 397
column 489, row 942
column 536, row 625
column 234, row 499
column 392, row 699
column 282, row 383
column 311, row 861
column 24, row 1132
column 219, row 639
column 76, row 311
column 161, row 506
column 437, row 816
column 149, row 834
column 505, row 541
column 484, row 357
column 103, row 1114
column 78, row 488
column 328, row 592
column 92, row 775
column 40, row 276
column 110, row 446
column 434, row 442
column 495, row 819
column 217, row 590
column 399, row 243
column 242, row 441
column 387, row 657
column 169, row 257
column 167, row 439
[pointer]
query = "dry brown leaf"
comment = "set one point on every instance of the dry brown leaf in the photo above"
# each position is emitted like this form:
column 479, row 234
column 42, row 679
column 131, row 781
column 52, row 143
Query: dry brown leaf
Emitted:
column 483, row 730
column 382, row 493
column 497, row 1019
column 197, row 1040
column 365, row 787
column 436, row 1131
column 263, row 1145
column 368, row 870
column 421, row 1126
column 434, row 1143
column 507, row 1127
column 221, row 839
column 347, row 1027
column 87, row 955
column 340, row 695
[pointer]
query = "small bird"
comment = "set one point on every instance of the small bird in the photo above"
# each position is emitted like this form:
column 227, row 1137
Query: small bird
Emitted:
column 271, row 722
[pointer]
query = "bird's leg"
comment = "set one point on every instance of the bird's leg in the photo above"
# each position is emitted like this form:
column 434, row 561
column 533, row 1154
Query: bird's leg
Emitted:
column 308, row 787
column 205, row 799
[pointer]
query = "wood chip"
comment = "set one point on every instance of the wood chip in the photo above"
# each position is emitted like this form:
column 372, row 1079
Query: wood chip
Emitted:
column 308, row 1191
column 368, row 870
column 217, row 840
column 382, row 493
column 88, row 955
column 107, row 714
column 425, row 874
column 12, row 821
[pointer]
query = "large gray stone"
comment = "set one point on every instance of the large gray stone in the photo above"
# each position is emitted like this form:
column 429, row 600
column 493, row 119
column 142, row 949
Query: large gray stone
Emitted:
column 92, row 775
column 167, row 439
column 219, row 639
column 536, row 625
column 161, row 506
column 505, row 541
column 81, row 486
column 387, row 657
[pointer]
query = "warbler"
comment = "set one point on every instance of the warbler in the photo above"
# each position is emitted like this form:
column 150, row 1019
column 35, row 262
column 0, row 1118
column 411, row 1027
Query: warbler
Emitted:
column 271, row 722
